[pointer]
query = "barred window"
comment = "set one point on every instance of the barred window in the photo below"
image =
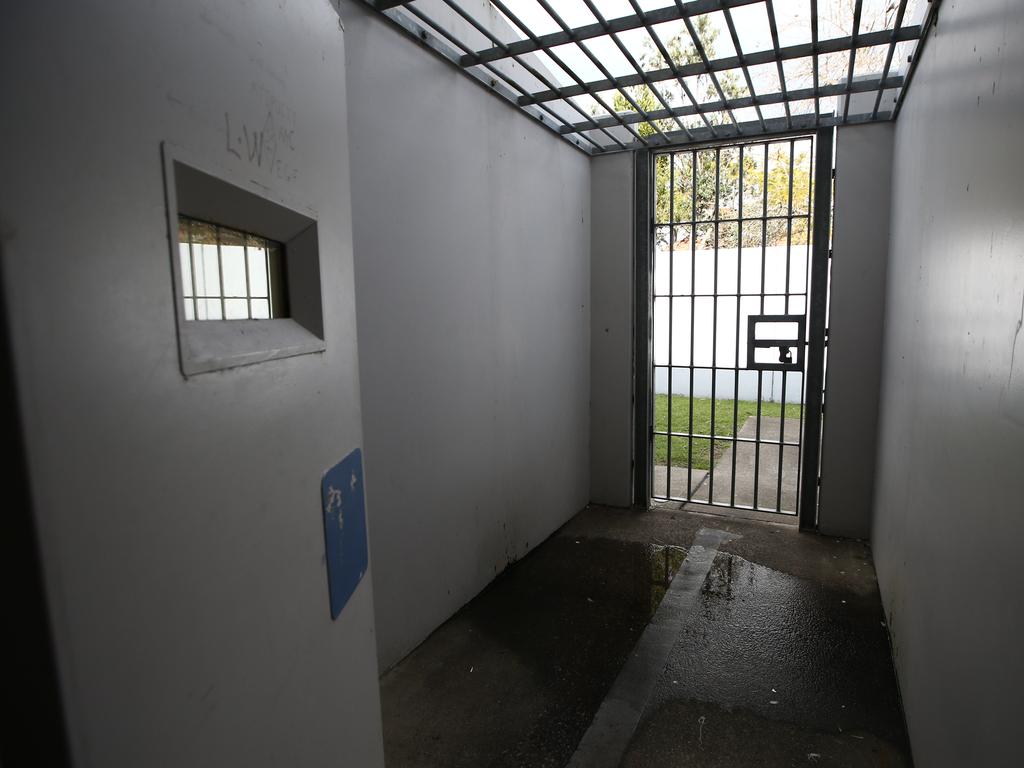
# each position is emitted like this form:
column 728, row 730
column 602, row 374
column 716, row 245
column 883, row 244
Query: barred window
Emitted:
column 227, row 274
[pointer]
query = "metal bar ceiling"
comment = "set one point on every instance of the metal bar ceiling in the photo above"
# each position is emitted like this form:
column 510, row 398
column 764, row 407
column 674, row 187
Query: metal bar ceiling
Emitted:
column 614, row 75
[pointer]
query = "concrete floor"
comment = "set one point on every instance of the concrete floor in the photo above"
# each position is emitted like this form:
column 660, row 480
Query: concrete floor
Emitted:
column 768, row 648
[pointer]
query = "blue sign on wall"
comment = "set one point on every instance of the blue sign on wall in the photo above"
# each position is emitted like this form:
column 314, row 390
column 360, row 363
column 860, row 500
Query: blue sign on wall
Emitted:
column 344, row 528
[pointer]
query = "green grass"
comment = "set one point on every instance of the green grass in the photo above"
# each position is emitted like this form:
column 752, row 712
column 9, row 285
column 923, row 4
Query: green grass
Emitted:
column 701, row 458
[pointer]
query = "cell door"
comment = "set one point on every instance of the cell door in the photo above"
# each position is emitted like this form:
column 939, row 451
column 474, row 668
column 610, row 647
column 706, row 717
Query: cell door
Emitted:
column 731, row 331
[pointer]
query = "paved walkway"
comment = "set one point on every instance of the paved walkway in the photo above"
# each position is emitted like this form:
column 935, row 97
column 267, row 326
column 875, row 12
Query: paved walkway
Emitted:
column 746, row 455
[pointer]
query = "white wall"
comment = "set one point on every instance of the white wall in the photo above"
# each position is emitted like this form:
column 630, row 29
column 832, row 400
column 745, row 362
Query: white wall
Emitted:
column 180, row 519
column 948, row 521
column 472, row 242
column 729, row 264
column 860, row 247
column 611, row 330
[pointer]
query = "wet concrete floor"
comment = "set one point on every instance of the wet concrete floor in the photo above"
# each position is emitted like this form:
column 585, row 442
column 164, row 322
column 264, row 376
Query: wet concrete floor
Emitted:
column 780, row 656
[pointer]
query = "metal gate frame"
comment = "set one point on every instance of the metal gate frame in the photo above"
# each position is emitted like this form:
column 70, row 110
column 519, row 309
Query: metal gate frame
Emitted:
column 817, row 308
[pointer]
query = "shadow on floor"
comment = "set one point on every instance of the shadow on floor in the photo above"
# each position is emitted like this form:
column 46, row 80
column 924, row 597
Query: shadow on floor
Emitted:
column 783, row 660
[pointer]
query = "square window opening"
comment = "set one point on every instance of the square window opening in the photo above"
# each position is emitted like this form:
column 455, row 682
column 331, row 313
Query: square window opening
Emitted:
column 227, row 274
column 245, row 269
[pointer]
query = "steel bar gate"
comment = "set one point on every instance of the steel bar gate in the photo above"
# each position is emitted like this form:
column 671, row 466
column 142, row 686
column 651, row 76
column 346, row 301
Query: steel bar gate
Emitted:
column 732, row 284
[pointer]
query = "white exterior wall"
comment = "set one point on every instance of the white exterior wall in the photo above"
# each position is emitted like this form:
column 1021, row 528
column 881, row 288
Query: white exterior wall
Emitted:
column 180, row 520
column 472, row 235
column 948, row 520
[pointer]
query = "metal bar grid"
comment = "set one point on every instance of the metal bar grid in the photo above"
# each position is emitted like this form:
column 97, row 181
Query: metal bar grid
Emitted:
column 890, row 51
column 567, row 69
column 857, row 9
column 744, row 64
column 196, row 291
column 746, row 101
column 630, row 105
column 593, row 59
column 788, row 53
column 778, row 60
column 530, row 68
column 698, row 45
column 635, row 65
column 669, row 217
column 497, row 76
column 672, row 66
column 926, row 25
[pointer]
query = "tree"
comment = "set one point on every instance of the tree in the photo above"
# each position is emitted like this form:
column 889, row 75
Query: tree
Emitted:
column 709, row 178
column 835, row 20
column 705, row 185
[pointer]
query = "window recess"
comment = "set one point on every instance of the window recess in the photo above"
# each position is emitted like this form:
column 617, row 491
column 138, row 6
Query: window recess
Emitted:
column 230, row 275
column 245, row 270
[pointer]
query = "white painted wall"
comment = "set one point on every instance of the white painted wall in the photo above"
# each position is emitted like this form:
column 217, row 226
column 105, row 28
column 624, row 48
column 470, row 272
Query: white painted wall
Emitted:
column 948, row 521
column 717, row 345
column 180, row 520
column 472, row 242
column 860, row 246
column 611, row 330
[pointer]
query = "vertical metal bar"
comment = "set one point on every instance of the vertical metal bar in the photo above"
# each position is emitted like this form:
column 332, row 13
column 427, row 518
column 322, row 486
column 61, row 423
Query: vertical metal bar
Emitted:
column 643, row 163
column 785, row 310
column 671, row 306
column 248, row 284
column 693, row 315
column 736, row 359
column 760, row 373
column 814, row 62
column 220, row 273
column 807, row 274
column 270, row 287
column 816, row 335
column 888, row 56
column 774, row 29
column 926, row 26
column 192, row 261
column 857, row 8
column 714, row 336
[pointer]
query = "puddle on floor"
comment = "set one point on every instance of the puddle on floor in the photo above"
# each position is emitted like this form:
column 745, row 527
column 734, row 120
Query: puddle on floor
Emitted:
column 785, row 648
column 516, row 676
column 665, row 561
